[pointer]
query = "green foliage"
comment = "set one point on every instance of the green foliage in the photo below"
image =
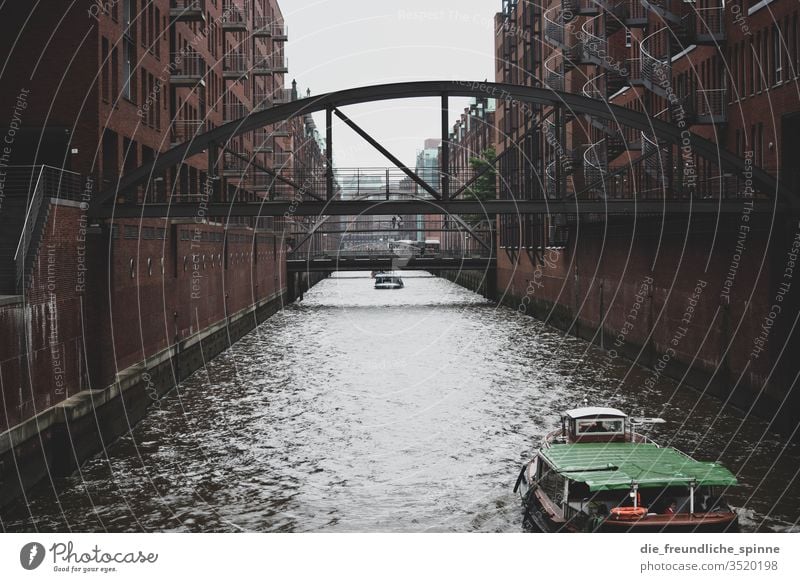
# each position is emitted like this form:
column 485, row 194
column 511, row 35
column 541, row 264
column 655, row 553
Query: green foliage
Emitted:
column 484, row 187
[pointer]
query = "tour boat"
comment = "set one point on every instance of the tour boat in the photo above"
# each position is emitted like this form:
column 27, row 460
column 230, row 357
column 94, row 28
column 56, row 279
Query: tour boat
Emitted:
column 388, row 281
column 596, row 473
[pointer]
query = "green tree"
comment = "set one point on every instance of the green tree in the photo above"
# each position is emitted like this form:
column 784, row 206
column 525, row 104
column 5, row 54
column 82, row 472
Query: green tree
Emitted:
column 485, row 187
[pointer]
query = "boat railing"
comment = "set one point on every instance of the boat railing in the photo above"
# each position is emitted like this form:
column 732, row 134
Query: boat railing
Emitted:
column 558, row 437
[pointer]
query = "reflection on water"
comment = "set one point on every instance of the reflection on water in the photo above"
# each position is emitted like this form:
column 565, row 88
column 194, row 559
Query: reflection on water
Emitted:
column 385, row 410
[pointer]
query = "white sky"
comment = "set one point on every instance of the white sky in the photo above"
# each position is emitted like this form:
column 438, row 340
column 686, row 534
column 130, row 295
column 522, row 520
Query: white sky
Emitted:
column 340, row 44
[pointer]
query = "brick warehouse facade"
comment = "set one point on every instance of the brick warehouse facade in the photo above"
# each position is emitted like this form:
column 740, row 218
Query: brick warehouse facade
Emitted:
column 126, row 308
column 725, row 72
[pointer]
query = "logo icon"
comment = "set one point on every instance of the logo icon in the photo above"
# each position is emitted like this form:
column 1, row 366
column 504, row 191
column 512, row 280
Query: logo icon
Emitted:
column 31, row 555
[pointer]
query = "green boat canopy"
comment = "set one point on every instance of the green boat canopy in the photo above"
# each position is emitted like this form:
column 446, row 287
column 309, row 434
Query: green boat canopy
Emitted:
column 611, row 466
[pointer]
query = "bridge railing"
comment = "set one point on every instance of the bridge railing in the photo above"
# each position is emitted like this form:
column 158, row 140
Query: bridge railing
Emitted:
column 386, row 254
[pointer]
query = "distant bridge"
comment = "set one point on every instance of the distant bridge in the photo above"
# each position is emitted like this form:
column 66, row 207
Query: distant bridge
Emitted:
column 383, row 261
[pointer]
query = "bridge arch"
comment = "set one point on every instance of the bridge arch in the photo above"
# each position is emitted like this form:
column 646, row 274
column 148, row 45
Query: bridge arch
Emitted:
column 570, row 102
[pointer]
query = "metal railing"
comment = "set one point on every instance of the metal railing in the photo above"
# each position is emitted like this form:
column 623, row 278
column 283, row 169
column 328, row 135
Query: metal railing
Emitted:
column 667, row 8
column 262, row 135
column 635, row 70
column 235, row 13
column 187, row 4
column 233, row 111
column 594, row 162
column 234, row 162
column 268, row 64
column 280, row 64
column 260, row 181
column 262, row 101
column 553, row 72
column 590, row 88
column 282, row 96
column 705, row 24
column 281, row 159
column 655, row 156
column 264, row 26
column 583, row 7
column 262, row 145
column 186, row 7
column 635, row 13
column 236, row 63
column 182, row 130
column 554, row 25
column 280, row 130
column 655, row 69
column 594, row 46
column 381, row 251
column 706, row 105
column 279, row 31
column 187, row 65
column 49, row 183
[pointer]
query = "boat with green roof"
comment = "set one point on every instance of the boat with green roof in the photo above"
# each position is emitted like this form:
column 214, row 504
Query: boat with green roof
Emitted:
column 597, row 473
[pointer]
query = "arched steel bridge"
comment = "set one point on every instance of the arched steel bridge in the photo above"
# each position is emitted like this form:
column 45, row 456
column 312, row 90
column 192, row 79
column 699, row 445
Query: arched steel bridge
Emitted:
column 774, row 196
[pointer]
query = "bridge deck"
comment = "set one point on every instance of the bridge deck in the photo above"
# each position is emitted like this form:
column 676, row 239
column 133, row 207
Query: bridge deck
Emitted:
column 489, row 207
column 388, row 263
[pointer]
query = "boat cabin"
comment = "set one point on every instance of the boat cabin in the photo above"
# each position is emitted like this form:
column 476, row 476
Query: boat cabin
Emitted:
column 594, row 424
column 388, row 281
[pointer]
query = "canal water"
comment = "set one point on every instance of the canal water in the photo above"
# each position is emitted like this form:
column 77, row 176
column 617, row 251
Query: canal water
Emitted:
column 381, row 411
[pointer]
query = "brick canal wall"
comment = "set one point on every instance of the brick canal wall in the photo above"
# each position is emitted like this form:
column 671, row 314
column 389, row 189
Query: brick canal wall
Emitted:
column 712, row 305
column 478, row 281
column 112, row 320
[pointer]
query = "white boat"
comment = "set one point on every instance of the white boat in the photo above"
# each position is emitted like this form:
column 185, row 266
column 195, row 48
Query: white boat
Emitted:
column 388, row 281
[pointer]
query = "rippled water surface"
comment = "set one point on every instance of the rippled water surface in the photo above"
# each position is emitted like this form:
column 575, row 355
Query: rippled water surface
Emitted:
column 365, row 410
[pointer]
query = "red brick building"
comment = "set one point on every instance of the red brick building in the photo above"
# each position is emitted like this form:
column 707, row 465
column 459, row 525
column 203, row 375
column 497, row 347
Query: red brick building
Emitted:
column 92, row 90
column 725, row 71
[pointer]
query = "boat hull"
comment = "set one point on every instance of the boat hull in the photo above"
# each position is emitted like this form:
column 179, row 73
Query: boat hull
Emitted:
column 541, row 515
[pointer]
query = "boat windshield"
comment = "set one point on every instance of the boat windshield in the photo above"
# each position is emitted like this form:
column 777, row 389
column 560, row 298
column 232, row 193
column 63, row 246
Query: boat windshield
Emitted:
column 600, row 426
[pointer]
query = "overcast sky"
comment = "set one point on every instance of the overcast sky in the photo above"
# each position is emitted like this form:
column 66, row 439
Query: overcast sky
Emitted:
column 339, row 44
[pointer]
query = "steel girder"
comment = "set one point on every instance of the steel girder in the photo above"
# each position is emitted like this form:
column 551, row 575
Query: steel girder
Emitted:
column 573, row 103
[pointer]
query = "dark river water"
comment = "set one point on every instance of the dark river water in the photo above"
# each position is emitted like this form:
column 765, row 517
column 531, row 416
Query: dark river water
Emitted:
column 408, row 410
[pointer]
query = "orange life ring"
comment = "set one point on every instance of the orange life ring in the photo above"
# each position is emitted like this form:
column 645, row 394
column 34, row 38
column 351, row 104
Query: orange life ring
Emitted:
column 628, row 512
